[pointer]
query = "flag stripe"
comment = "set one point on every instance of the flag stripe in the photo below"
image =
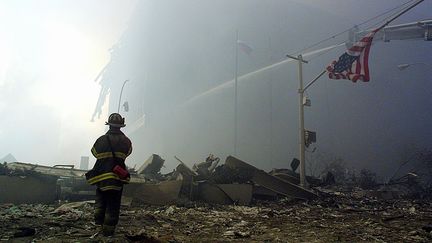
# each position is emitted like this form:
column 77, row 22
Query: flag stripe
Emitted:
column 366, row 60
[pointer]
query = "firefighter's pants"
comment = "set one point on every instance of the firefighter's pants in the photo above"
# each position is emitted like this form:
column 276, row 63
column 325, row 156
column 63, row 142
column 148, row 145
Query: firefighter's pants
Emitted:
column 107, row 207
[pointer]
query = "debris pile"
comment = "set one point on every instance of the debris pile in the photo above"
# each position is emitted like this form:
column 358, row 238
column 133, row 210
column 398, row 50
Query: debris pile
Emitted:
column 333, row 217
column 234, row 182
column 221, row 202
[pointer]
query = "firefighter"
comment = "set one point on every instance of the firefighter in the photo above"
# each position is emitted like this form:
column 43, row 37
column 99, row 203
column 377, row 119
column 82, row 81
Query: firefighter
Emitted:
column 110, row 173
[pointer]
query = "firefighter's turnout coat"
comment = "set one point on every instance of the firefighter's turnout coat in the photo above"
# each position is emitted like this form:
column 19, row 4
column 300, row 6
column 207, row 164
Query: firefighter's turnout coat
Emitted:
column 102, row 173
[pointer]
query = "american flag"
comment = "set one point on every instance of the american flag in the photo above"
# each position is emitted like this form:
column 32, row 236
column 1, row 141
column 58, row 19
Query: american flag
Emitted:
column 353, row 64
column 246, row 48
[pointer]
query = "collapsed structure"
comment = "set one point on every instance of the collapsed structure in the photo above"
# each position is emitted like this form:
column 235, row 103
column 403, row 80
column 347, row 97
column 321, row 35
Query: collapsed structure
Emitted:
column 338, row 211
column 235, row 182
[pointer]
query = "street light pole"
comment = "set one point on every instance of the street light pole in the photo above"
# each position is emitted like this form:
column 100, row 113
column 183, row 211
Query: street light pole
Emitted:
column 301, row 121
column 121, row 92
column 301, row 91
column 300, row 60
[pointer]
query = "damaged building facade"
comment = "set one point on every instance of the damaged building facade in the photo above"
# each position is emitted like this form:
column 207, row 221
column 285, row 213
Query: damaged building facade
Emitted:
column 197, row 116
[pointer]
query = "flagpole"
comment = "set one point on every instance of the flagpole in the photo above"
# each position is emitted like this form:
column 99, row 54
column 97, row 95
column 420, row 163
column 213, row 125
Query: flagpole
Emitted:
column 399, row 14
column 235, row 94
column 271, row 103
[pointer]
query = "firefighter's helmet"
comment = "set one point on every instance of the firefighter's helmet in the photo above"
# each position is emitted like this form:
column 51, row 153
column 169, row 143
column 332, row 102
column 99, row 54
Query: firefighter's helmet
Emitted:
column 116, row 120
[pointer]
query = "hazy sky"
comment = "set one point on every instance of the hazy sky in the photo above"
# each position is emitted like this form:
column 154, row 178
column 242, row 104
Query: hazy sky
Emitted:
column 50, row 53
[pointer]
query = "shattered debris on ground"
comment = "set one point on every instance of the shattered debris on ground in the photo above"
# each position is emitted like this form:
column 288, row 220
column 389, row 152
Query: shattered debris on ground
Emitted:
column 233, row 202
column 335, row 217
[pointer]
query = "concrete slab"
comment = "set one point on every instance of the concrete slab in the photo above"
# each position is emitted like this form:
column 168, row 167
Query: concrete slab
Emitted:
column 271, row 182
column 161, row 193
column 264, row 193
column 225, row 193
column 287, row 177
column 239, row 193
column 47, row 170
column 152, row 165
column 212, row 194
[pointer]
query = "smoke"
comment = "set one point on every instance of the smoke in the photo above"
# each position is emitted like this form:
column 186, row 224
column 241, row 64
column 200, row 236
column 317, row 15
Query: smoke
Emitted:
column 180, row 59
column 51, row 52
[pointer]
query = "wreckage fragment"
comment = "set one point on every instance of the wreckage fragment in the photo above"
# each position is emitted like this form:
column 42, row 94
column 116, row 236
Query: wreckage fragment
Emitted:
column 56, row 170
column 291, row 176
column 151, row 167
column 42, row 184
column 271, row 182
column 28, row 189
column 224, row 174
column 164, row 192
column 286, row 175
column 260, row 192
column 204, row 169
column 225, row 193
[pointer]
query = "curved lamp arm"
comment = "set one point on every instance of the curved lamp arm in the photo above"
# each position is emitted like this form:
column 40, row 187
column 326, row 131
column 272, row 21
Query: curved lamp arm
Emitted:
column 406, row 65
column 121, row 92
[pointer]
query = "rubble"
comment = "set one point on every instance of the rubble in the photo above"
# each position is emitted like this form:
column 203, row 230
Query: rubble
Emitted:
column 335, row 216
column 230, row 202
column 234, row 182
column 226, row 205
column 24, row 231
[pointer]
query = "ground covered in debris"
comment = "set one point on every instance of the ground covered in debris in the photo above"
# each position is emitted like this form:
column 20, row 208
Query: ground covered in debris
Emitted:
column 334, row 217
